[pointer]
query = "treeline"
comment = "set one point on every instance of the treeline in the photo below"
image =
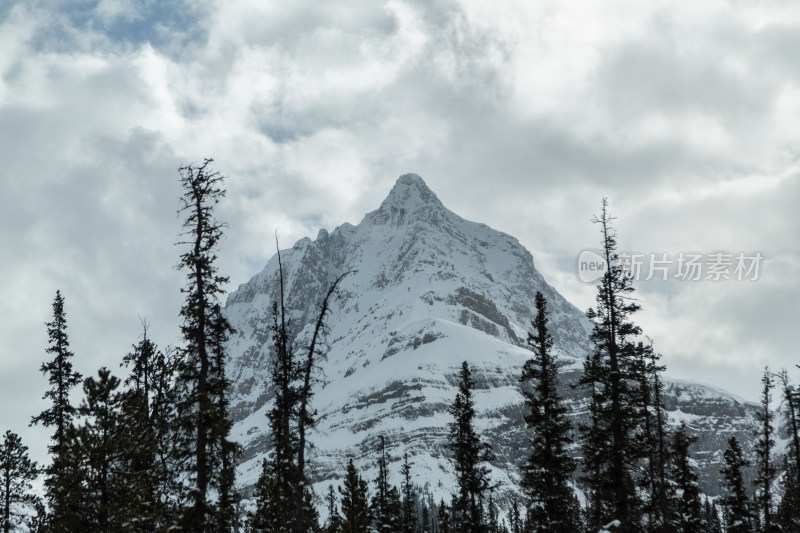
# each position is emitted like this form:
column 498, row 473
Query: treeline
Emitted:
column 151, row 451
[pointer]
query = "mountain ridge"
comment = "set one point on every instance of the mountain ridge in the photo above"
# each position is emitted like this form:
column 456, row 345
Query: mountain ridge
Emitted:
column 429, row 289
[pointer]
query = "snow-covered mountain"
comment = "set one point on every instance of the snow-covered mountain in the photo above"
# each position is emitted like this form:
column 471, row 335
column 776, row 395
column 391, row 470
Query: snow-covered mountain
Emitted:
column 427, row 291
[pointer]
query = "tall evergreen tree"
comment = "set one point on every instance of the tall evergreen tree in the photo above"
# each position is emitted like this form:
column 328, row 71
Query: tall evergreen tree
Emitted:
column 788, row 515
column 689, row 511
column 593, row 446
column 163, row 422
column 142, row 415
column 68, row 510
column 735, row 502
column 425, row 520
column 103, row 492
column 289, row 507
column 355, row 509
column 203, row 385
column 17, row 472
column 305, row 418
column 791, row 399
column 108, row 501
column 334, row 519
column 445, row 523
column 395, row 508
column 59, row 415
column 285, row 375
column 273, row 514
column 280, row 474
column 409, row 519
column 141, row 362
column 659, row 502
column 789, row 507
column 263, row 519
column 384, row 511
column 766, row 470
column 549, row 468
column 611, row 452
column 469, row 453
column 492, row 525
column 227, row 451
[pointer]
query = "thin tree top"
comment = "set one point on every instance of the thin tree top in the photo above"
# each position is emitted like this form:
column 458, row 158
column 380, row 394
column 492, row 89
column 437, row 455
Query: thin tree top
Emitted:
column 203, row 189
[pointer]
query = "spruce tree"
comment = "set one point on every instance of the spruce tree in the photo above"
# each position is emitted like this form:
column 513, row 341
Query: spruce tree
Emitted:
column 469, row 453
column 305, row 419
column 69, row 509
column 611, row 451
column 445, row 524
column 17, row 472
column 384, row 512
column 409, row 519
column 226, row 450
column 395, row 508
column 593, row 446
column 334, row 519
column 789, row 507
column 425, row 520
column 262, row 519
column 59, row 415
column 688, row 516
column 788, row 515
column 141, row 362
column 108, row 501
column 102, row 491
column 163, row 422
column 735, row 502
column 203, row 385
column 792, row 419
column 285, row 375
column 654, row 437
column 280, row 474
column 289, row 507
column 548, row 470
column 492, row 524
column 355, row 509
column 142, row 413
column 766, row 470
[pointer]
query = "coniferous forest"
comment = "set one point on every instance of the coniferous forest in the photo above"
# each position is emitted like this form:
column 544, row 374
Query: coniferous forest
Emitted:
column 147, row 447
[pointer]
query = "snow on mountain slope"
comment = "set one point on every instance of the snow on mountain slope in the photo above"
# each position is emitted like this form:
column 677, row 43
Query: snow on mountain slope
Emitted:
column 427, row 290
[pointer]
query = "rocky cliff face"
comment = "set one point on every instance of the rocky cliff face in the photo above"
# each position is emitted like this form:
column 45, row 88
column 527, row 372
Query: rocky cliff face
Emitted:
column 427, row 291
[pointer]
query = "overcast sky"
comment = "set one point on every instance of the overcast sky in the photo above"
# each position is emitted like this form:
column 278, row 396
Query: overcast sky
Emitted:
column 521, row 115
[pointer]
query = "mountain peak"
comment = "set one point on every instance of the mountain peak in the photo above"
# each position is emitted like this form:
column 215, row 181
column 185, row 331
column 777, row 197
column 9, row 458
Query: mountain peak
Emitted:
column 409, row 198
column 411, row 179
column 427, row 290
